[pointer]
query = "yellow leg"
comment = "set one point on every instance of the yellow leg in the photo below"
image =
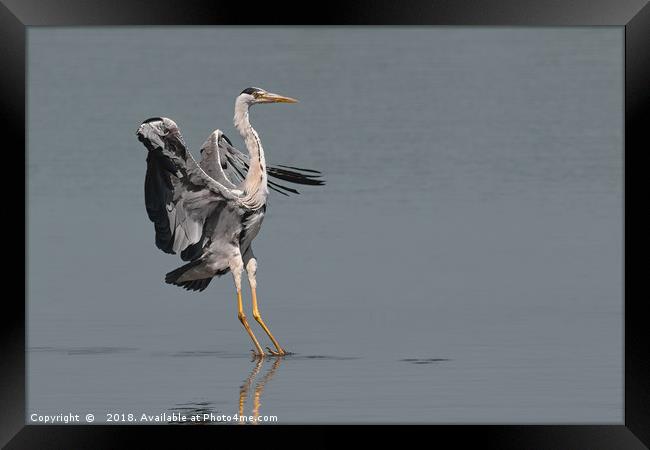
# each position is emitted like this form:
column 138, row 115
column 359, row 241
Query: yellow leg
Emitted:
column 242, row 319
column 258, row 318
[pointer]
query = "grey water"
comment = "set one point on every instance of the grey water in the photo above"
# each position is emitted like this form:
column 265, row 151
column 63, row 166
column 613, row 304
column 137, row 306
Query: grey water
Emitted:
column 463, row 264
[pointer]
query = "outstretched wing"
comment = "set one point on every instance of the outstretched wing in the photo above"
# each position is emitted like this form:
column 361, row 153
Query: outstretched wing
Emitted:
column 215, row 164
column 220, row 158
column 179, row 195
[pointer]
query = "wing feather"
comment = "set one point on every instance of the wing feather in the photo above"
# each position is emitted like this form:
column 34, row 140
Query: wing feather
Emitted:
column 213, row 163
column 179, row 194
column 224, row 162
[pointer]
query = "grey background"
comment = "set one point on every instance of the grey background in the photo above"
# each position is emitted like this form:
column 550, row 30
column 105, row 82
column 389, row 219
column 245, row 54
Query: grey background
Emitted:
column 463, row 263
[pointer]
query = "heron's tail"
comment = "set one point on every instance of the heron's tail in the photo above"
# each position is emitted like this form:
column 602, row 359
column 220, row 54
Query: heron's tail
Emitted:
column 191, row 285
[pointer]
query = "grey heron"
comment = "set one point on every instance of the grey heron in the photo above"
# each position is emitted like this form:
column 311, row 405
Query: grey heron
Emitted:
column 211, row 211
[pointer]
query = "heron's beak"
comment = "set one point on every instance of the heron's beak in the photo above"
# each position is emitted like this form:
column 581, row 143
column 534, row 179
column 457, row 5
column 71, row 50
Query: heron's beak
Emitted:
column 269, row 97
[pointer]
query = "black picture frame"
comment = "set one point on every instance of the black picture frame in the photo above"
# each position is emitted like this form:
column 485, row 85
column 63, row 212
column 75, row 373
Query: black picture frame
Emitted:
column 633, row 15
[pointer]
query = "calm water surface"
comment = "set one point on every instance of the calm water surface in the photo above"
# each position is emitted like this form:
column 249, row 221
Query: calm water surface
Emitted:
column 463, row 263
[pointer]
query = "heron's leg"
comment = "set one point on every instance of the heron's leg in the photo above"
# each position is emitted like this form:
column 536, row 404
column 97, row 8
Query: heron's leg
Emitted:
column 237, row 269
column 251, row 270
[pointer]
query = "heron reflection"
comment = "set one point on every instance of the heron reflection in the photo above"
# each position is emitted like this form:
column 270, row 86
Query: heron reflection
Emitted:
column 245, row 388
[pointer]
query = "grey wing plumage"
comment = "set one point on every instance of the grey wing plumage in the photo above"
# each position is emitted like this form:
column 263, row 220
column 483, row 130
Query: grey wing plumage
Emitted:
column 179, row 195
column 215, row 164
column 221, row 158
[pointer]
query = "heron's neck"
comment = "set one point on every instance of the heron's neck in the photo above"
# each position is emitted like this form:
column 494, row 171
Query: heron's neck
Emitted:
column 255, row 182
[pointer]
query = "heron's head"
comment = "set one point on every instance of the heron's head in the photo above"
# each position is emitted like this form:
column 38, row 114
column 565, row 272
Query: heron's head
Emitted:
column 254, row 95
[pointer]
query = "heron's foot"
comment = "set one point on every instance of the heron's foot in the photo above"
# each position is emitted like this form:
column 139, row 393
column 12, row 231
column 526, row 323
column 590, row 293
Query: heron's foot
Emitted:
column 279, row 352
column 257, row 355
